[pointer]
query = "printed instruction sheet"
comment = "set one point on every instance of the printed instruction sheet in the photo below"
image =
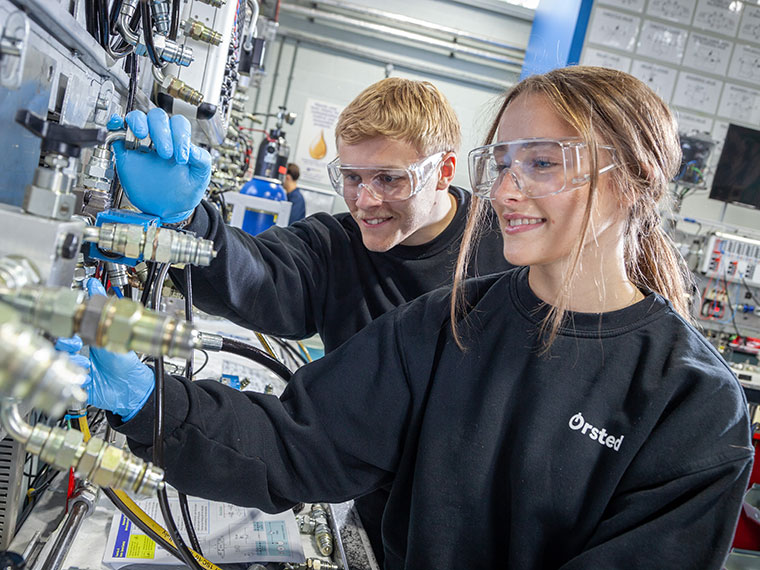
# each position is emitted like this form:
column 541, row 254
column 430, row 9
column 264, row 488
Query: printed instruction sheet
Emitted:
column 226, row 533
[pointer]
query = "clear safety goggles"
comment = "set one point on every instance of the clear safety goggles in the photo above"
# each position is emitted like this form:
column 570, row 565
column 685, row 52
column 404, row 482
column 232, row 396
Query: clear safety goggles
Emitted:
column 389, row 184
column 537, row 167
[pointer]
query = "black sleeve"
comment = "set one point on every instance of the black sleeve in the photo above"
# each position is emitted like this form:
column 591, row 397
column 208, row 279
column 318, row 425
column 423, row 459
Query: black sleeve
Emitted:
column 337, row 431
column 684, row 522
column 272, row 282
column 679, row 502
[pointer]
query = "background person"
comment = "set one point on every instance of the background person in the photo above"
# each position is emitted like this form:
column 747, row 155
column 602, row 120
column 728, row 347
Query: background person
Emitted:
column 298, row 208
column 551, row 422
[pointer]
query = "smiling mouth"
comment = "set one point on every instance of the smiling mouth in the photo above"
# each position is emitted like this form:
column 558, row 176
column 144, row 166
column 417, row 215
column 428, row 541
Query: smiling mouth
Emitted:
column 524, row 221
column 375, row 221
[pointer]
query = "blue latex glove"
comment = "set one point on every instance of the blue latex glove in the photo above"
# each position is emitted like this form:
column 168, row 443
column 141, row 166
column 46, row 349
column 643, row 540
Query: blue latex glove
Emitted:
column 116, row 382
column 168, row 182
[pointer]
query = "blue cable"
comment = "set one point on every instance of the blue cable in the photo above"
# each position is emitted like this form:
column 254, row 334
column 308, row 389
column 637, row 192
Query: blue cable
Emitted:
column 118, row 292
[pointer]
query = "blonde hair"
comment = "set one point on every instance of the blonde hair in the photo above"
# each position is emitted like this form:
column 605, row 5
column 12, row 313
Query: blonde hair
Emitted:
column 612, row 108
column 411, row 111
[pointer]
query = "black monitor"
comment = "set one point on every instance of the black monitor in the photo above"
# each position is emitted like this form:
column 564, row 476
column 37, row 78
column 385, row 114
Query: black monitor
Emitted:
column 737, row 177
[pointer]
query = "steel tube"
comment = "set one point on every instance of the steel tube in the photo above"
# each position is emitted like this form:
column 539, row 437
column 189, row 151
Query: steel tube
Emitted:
column 66, row 536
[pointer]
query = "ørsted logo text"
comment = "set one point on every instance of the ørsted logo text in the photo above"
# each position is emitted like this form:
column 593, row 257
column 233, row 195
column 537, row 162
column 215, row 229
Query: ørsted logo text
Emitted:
column 577, row 422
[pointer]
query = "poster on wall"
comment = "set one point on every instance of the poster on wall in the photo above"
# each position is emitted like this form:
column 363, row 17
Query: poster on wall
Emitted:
column 316, row 141
column 660, row 78
column 661, row 42
column 689, row 123
column 614, row 29
column 697, row 93
column 718, row 16
column 707, row 53
column 601, row 58
column 633, row 5
column 745, row 64
column 679, row 11
column 740, row 104
column 750, row 24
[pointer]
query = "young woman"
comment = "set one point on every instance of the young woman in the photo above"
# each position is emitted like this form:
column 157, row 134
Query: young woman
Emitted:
column 567, row 416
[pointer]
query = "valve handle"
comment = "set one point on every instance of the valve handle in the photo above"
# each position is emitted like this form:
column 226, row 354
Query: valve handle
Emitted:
column 65, row 140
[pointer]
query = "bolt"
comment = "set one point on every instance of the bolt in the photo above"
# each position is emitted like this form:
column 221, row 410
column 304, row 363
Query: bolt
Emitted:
column 69, row 246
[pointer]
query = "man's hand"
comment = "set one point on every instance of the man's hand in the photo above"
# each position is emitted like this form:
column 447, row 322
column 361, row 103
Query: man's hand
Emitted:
column 169, row 181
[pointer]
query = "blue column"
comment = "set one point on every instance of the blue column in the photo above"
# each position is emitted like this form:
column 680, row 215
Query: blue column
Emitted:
column 556, row 38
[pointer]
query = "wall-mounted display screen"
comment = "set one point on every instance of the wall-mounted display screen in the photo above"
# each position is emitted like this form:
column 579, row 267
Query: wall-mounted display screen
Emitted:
column 737, row 177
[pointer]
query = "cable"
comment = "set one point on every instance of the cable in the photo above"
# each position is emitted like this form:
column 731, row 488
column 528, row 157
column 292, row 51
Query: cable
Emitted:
column 158, row 438
column 184, row 507
column 147, row 27
column 205, row 362
column 174, row 29
column 259, row 356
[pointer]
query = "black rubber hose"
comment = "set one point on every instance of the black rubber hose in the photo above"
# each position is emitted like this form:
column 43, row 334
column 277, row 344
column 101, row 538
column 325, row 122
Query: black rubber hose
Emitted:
column 158, row 438
column 259, row 356
column 174, row 29
column 147, row 27
column 183, row 505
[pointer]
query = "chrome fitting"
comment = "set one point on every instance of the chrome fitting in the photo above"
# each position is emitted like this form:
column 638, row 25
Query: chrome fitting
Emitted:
column 201, row 32
column 168, row 51
column 97, row 461
column 49, row 195
column 152, row 244
column 121, row 325
column 117, row 274
column 161, row 17
column 210, row 341
column 32, row 371
column 17, row 272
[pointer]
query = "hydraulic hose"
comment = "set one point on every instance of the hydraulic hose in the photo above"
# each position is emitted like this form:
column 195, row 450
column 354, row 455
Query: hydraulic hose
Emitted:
column 259, row 356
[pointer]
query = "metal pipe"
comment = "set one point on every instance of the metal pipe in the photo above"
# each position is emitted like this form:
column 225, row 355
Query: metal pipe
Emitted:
column 66, row 536
column 128, row 9
column 290, row 76
column 274, row 85
column 13, row 422
column 248, row 46
column 353, row 23
column 416, row 23
column 397, row 60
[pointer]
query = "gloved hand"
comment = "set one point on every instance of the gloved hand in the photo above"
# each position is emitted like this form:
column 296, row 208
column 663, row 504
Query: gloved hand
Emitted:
column 168, row 182
column 116, row 382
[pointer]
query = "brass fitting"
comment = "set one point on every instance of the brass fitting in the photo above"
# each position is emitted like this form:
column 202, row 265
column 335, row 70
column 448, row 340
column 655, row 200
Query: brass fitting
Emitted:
column 179, row 89
column 201, row 32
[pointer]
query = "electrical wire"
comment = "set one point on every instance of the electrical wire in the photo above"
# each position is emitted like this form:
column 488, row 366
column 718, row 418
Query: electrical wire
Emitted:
column 234, row 346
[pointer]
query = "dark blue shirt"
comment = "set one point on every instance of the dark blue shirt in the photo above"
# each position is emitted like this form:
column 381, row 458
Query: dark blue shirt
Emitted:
column 298, row 209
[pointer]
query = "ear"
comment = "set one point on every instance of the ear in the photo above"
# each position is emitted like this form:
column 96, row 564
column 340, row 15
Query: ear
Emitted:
column 447, row 170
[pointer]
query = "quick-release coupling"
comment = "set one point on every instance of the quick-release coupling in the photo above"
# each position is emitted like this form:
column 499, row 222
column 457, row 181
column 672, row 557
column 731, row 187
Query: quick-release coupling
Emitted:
column 97, row 461
column 151, row 244
column 33, row 372
column 161, row 17
column 116, row 324
column 168, row 50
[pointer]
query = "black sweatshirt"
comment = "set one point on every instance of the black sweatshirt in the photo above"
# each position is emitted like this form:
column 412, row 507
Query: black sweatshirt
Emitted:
column 316, row 276
column 628, row 447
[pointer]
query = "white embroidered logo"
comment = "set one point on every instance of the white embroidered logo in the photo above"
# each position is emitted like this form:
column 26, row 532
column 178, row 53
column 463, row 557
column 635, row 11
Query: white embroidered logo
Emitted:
column 577, row 422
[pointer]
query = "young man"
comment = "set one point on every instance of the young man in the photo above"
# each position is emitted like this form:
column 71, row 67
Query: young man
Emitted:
column 329, row 274
column 298, row 207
